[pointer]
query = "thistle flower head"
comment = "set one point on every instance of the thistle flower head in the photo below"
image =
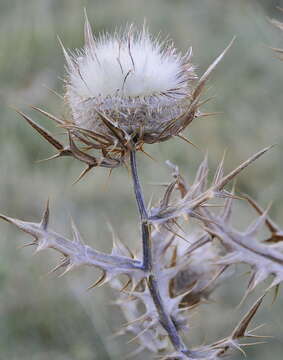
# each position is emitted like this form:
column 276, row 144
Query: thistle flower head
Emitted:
column 140, row 85
column 125, row 90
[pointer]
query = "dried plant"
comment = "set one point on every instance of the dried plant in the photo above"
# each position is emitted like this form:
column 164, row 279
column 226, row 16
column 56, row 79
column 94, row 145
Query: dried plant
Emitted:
column 124, row 91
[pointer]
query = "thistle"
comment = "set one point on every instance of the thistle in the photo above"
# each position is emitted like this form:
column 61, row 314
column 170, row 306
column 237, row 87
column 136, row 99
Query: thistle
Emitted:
column 124, row 91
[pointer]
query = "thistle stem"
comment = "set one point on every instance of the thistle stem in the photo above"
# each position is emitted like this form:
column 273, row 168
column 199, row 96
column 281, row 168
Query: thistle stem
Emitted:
column 147, row 263
column 146, row 242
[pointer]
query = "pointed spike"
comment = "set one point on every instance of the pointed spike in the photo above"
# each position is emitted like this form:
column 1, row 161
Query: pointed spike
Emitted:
column 88, row 34
column 32, row 243
column 204, row 239
column 207, row 73
column 276, row 281
column 188, row 141
column 227, row 210
column 76, row 234
column 210, row 114
column 166, row 198
column 50, row 116
column 254, row 343
column 80, row 155
column 112, row 128
column 140, row 319
column 205, row 101
column 174, row 257
column 220, row 169
column 27, row 227
column 101, row 281
column 118, row 247
column 83, row 174
column 255, row 226
column 59, row 266
column 49, row 158
column 148, row 155
column 202, row 172
column 45, row 219
column 241, row 328
column 229, row 259
column 251, row 335
column 276, row 293
column 42, row 245
column 270, row 224
column 70, row 63
column 277, row 23
column 257, row 277
column 238, row 347
column 126, row 285
column 138, row 335
column 43, row 132
column 226, row 179
column 53, row 92
column 69, row 268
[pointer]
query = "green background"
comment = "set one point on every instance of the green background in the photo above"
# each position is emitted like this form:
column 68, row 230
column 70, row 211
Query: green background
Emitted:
column 42, row 317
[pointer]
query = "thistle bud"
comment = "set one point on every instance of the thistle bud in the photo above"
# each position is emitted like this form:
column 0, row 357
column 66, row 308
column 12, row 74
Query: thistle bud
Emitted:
column 142, row 86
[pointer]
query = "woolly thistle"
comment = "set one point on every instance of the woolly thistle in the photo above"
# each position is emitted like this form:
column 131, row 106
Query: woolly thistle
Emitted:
column 140, row 83
column 123, row 91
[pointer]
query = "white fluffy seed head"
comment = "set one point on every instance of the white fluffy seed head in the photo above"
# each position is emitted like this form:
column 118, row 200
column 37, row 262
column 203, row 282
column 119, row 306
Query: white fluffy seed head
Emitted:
column 139, row 82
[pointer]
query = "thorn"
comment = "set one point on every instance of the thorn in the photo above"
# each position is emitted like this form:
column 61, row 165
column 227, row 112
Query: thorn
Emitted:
column 205, row 76
column 124, row 287
column 138, row 335
column 251, row 335
column 254, row 227
column 188, row 141
column 108, row 123
column 26, row 245
column 220, row 169
column 76, row 234
column 141, row 318
column 240, row 329
column 88, row 34
column 69, row 268
column 59, row 266
column 68, row 58
column 50, row 116
column 83, row 173
column 43, row 132
column 255, row 343
column 204, row 239
column 273, row 228
column 227, row 209
column 232, row 174
column 53, row 92
column 41, row 246
column 49, row 158
column 149, row 156
column 276, row 293
column 101, row 281
column 215, row 113
column 45, row 219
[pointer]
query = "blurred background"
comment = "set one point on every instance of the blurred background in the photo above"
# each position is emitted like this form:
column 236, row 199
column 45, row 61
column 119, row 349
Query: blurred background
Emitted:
column 43, row 317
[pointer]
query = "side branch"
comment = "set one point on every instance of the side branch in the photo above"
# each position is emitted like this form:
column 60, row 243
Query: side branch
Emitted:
column 75, row 252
